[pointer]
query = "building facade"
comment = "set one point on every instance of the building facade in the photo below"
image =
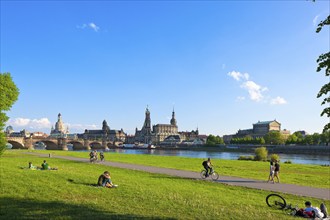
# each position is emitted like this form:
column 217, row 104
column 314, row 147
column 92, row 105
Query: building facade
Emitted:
column 163, row 134
column 158, row 133
column 260, row 129
column 105, row 134
column 60, row 129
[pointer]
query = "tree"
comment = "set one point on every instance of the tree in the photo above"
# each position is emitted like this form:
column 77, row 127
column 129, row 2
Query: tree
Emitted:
column 261, row 154
column 325, row 137
column 324, row 63
column 214, row 140
column 8, row 96
column 292, row 139
column 274, row 137
column 274, row 157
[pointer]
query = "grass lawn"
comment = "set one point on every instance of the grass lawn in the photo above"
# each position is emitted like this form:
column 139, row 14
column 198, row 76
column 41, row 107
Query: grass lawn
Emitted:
column 305, row 175
column 68, row 193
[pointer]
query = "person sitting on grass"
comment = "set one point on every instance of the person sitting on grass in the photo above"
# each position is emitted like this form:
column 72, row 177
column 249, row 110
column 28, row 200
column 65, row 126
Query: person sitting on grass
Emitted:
column 105, row 180
column 45, row 166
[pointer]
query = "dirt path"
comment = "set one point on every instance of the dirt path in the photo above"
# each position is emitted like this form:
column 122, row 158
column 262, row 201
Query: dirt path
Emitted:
column 235, row 181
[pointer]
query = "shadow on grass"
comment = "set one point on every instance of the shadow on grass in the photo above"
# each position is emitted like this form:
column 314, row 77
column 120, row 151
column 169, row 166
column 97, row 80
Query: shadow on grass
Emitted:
column 19, row 208
column 81, row 183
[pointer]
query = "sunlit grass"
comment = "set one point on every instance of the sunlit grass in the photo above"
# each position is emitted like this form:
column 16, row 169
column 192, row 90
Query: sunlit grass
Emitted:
column 299, row 174
column 68, row 193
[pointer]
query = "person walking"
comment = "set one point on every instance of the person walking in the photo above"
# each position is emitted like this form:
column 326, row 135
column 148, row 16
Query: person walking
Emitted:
column 271, row 172
column 277, row 171
column 102, row 156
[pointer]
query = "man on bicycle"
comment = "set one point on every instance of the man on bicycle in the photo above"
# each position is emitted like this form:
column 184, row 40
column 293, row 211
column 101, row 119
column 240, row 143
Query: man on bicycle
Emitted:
column 207, row 165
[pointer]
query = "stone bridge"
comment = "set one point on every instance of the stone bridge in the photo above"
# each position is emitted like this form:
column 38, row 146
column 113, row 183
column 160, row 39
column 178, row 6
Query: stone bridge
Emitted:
column 59, row 143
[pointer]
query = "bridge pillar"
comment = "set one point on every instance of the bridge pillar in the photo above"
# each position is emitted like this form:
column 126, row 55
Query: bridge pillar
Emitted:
column 104, row 144
column 61, row 143
column 86, row 144
column 28, row 143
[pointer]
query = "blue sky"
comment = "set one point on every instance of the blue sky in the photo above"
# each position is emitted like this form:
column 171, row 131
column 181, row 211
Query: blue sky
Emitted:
column 223, row 65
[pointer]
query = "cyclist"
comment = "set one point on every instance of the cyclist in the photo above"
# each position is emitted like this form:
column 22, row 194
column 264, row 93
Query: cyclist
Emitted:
column 207, row 165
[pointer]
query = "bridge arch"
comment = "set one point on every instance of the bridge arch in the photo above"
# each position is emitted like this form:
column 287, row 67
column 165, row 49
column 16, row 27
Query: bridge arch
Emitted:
column 95, row 145
column 50, row 145
column 77, row 145
column 16, row 144
column 110, row 145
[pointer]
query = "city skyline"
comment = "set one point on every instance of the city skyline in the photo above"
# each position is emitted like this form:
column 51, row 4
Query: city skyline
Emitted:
column 222, row 65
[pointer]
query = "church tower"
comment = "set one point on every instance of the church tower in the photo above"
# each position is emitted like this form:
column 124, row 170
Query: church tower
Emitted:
column 173, row 120
column 105, row 127
column 146, row 129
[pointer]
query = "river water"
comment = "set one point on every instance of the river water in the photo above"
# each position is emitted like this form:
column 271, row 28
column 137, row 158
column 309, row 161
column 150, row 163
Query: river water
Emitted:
column 294, row 158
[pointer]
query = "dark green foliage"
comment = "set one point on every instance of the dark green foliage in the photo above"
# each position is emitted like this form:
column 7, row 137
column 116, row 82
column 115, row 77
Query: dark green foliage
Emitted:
column 324, row 63
column 248, row 140
column 246, row 158
column 314, row 139
column 214, row 140
column 274, row 137
column 8, row 95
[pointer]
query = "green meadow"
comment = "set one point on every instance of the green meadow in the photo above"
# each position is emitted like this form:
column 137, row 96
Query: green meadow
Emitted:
column 70, row 191
column 305, row 175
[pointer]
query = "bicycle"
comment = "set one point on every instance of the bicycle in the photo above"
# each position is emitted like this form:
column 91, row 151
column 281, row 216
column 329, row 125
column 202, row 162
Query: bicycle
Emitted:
column 213, row 174
column 278, row 202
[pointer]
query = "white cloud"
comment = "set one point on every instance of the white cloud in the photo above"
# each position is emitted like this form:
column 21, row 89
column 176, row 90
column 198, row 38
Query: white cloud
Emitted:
column 278, row 101
column 315, row 20
column 238, row 76
column 44, row 125
column 255, row 91
column 94, row 26
column 80, row 127
column 30, row 123
column 91, row 25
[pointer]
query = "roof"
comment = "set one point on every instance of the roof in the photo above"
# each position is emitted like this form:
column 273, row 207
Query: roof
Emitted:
column 265, row 122
column 164, row 125
column 172, row 137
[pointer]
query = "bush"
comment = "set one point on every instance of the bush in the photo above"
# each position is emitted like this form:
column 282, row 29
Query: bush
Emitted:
column 274, row 157
column 261, row 154
column 288, row 162
column 246, row 157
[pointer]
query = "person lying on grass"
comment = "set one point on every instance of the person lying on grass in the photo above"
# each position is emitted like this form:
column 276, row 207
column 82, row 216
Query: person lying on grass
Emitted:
column 313, row 212
column 105, row 180
column 32, row 167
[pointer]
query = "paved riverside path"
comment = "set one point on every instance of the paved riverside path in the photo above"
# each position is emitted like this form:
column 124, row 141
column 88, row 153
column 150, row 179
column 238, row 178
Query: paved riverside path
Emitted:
column 229, row 180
